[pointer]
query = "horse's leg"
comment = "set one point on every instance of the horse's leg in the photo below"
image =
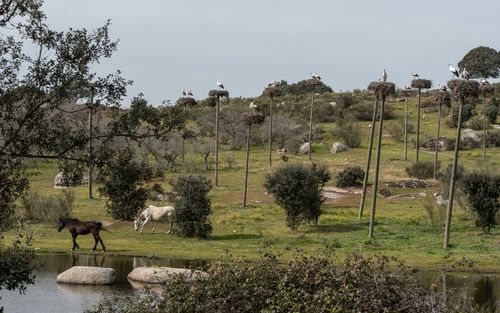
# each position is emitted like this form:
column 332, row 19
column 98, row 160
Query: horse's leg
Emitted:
column 102, row 243
column 153, row 224
column 171, row 224
column 96, row 239
column 75, row 245
column 144, row 223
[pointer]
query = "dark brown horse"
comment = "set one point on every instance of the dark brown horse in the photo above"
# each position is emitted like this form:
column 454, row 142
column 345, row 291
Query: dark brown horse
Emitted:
column 77, row 227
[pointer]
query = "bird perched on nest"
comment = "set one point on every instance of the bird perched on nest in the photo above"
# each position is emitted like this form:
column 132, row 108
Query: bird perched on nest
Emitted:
column 384, row 76
column 415, row 75
column 189, row 93
column 315, row 76
column 442, row 87
column 465, row 74
column 220, row 85
column 254, row 107
column 273, row 84
column 453, row 70
column 483, row 81
column 407, row 87
column 184, row 93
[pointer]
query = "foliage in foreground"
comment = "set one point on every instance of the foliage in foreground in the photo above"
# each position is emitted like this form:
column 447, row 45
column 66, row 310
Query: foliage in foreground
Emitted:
column 297, row 189
column 421, row 170
column 304, row 284
column 192, row 206
column 349, row 177
column 482, row 191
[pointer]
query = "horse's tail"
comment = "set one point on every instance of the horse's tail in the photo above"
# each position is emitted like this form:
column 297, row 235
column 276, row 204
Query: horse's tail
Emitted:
column 103, row 228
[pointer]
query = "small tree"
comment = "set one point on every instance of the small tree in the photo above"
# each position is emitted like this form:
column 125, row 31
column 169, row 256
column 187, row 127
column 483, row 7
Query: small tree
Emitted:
column 192, row 206
column 350, row 176
column 482, row 191
column 297, row 189
column 348, row 131
column 482, row 62
column 123, row 177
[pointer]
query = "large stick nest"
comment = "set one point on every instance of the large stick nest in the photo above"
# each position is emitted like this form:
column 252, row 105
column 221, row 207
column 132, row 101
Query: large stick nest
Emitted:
column 486, row 89
column 462, row 88
column 253, row 118
column 382, row 89
column 421, row 83
column 218, row 93
column 272, row 92
column 314, row 82
column 442, row 97
column 186, row 101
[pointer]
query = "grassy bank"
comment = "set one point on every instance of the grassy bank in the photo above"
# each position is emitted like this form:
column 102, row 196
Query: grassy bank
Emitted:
column 403, row 228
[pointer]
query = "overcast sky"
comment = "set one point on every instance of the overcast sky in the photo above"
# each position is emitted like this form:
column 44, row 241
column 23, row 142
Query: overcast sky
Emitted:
column 168, row 45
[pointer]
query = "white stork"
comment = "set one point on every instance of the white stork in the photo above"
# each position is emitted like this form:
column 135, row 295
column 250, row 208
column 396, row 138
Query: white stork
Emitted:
column 453, row 70
column 384, row 76
column 407, row 87
column 184, row 92
column 220, row 85
column 315, row 76
column 273, row 84
column 465, row 74
column 189, row 93
column 442, row 87
column 254, row 107
column 415, row 75
column 483, row 81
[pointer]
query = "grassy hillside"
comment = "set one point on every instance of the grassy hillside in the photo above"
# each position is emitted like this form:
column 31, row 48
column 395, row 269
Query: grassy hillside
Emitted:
column 402, row 229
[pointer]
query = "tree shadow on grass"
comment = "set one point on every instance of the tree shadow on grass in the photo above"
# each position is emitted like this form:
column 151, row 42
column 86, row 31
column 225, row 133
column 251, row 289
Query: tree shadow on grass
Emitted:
column 335, row 228
column 235, row 236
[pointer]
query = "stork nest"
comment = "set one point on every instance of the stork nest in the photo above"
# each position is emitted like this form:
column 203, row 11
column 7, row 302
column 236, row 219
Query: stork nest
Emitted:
column 462, row 88
column 253, row 118
column 211, row 101
column 442, row 97
column 421, row 83
column 486, row 89
column 272, row 92
column 218, row 93
column 382, row 89
column 314, row 82
column 186, row 101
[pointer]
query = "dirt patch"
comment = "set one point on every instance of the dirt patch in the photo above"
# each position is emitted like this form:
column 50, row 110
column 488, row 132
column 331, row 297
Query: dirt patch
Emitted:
column 408, row 196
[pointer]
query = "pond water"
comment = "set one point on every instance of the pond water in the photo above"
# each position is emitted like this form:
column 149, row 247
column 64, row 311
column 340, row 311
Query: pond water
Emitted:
column 48, row 296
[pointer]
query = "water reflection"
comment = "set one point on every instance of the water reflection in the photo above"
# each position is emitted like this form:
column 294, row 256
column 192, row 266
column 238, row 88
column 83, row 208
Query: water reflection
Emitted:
column 48, row 296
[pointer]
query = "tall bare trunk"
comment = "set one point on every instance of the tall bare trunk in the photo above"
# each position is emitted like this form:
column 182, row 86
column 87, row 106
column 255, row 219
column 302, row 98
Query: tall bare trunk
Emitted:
column 377, row 167
column 484, row 128
column 217, row 142
column 246, row 168
column 437, row 142
column 310, row 124
column 418, row 125
column 406, row 127
column 368, row 159
column 270, row 131
column 452, row 180
column 91, row 156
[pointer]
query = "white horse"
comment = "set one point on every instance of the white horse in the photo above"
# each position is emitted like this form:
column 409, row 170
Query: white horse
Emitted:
column 155, row 213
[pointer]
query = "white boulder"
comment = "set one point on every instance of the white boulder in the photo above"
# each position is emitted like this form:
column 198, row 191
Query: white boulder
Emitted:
column 87, row 275
column 304, row 149
column 158, row 275
column 470, row 134
column 338, row 147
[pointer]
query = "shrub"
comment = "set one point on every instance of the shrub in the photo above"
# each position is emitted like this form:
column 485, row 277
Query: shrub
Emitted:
column 304, row 283
column 350, row 176
column 348, row 132
column 482, row 191
column 476, row 123
column 421, row 170
column 47, row 208
column 493, row 138
column 363, row 111
column 397, row 129
column 467, row 112
column 444, row 180
column 122, row 180
column 492, row 113
column 192, row 206
column 297, row 189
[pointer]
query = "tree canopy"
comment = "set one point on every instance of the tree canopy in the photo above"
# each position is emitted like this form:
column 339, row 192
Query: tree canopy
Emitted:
column 482, row 62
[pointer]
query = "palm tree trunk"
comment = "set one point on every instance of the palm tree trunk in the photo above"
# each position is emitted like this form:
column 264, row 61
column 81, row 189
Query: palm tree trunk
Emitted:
column 217, row 142
column 270, row 131
column 377, row 167
column 452, row 180
column 91, row 156
column 310, row 124
column 418, row 125
column 437, row 142
column 406, row 127
column 246, row 168
column 368, row 159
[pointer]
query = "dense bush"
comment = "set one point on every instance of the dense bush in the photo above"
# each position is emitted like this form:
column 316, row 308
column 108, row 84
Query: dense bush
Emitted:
column 467, row 112
column 350, row 176
column 192, row 206
column 421, row 170
column 122, row 180
column 348, row 131
column 492, row 113
column 304, row 283
column 363, row 111
column 482, row 191
column 397, row 129
column 47, row 208
column 303, row 87
column 297, row 189
column 493, row 138
column 476, row 122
